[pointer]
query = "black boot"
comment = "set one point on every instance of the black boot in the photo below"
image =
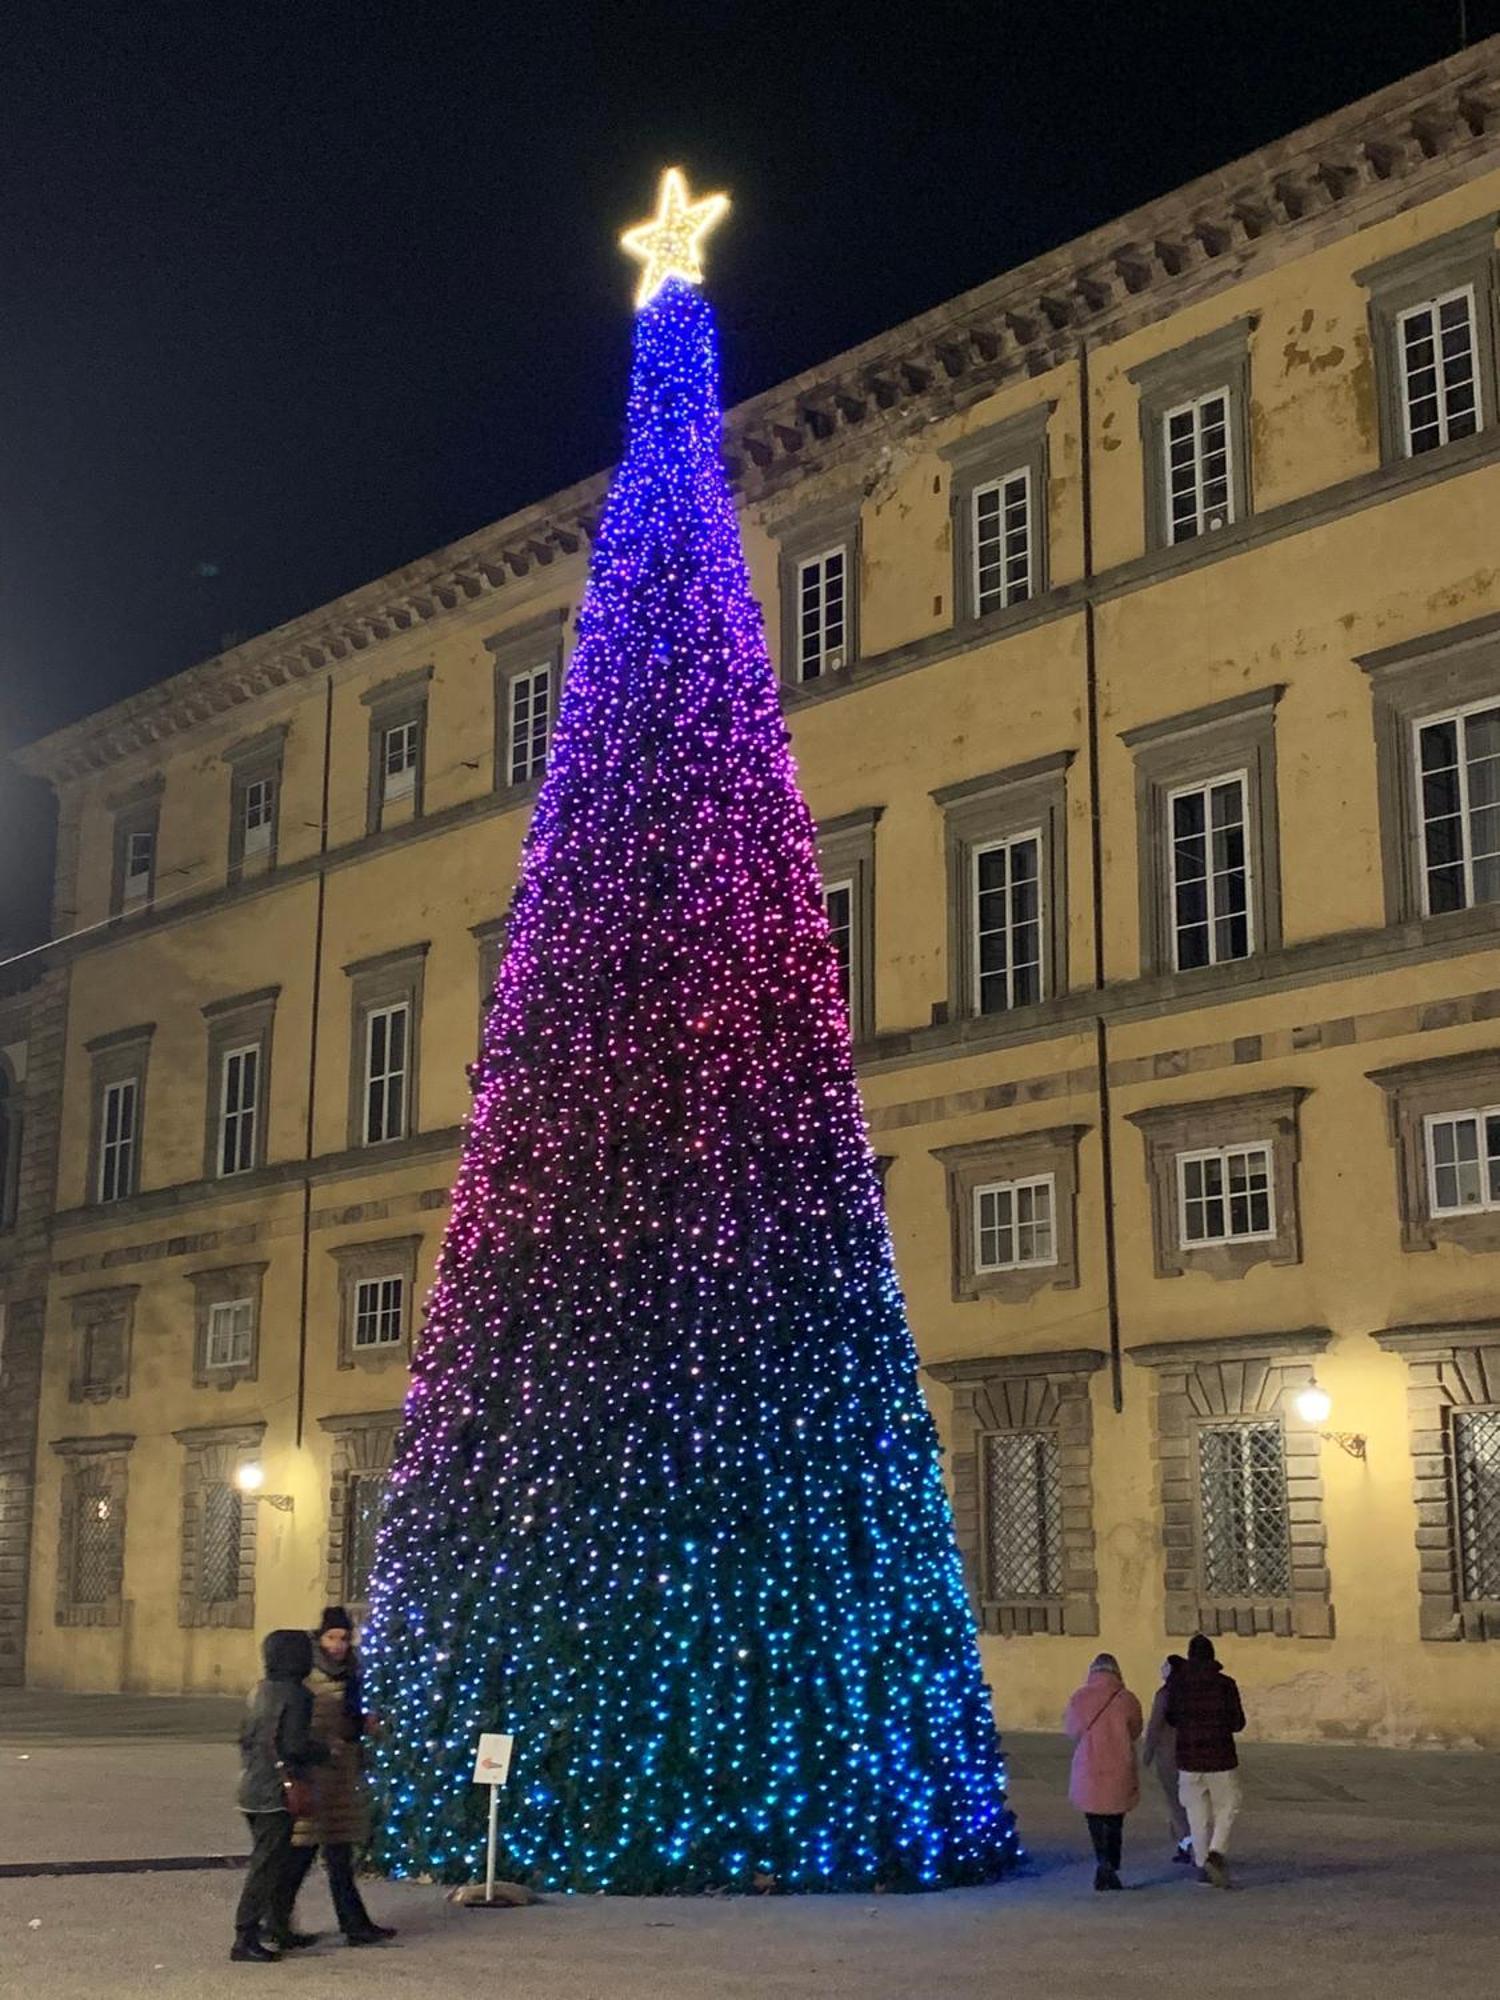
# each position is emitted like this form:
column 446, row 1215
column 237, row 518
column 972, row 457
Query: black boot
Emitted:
column 247, row 1946
column 293, row 1940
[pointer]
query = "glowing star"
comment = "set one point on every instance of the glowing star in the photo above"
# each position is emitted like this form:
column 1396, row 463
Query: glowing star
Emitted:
column 670, row 244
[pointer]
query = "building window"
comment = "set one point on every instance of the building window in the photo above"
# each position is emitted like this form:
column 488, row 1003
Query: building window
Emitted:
column 822, row 591
column 386, row 1060
column 239, row 1059
column 119, row 1089
column 1022, row 1440
column 998, row 496
column 398, row 734
column 216, row 1577
column 1463, row 1158
column 255, row 791
column 846, row 857
column 117, row 1140
column 10, row 1146
column 103, row 1325
column 1432, row 334
column 386, row 996
column 530, row 724
column 1011, row 1208
column 1003, row 562
column 377, row 1282
column 490, row 938
column 1239, row 1485
column 1443, row 1122
column 219, row 1564
column 140, row 866
column 838, row 907
column 1195, row 436
column 1458, row 765
column 227, row 1304
column 259, row 815
column 133, row 883
column 400, row 749
column 364, row 1500
column 363, row 1446
column 1206, row 819
column 1210, row 869
column 1013, row 1225
column 1007, row 932
column 95, row 1555
column 91, row 1530
column 380, row 1312
column 1222, row 1179
column 231, row 1333
column 239, row 1094
column 1476, row 1481
column 1226, row 1195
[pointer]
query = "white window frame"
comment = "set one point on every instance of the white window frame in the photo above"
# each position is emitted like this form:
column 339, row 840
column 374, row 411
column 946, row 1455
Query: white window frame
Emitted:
column 526, row 757
column 1479, row 1115
column 231, row 1324
column 372, row 1307
column 258, row 816
column 1224, row 1154
column 1459, row 716
column 1026, row 1184
column 1205, row 786
column 1006, row 594
column 1193, row 406
column 830, row 658
column 386, row 1012
column 1434, row 306
column 1009, row 842
column 116, row 1173
column 843, row 887
column 135, row 881
column 245, row 1116
column 399, row 781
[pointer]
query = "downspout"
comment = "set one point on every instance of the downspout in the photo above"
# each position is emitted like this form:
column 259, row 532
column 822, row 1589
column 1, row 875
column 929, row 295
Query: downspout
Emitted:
column 1096, row 859
column 310, row 1134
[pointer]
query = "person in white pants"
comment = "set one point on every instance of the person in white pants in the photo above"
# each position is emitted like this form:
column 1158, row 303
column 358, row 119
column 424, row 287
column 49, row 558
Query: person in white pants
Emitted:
column 1203, row 1706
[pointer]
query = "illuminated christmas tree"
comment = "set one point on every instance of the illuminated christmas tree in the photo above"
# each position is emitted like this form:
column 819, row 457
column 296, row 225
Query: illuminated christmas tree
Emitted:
column 667, row 1504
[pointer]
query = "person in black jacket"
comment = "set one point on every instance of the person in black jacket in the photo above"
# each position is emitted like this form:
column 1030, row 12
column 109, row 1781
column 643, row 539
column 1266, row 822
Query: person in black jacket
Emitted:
column 276, row 1745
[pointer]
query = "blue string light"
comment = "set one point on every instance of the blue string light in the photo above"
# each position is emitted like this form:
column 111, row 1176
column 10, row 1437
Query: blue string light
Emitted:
column 667, row 1503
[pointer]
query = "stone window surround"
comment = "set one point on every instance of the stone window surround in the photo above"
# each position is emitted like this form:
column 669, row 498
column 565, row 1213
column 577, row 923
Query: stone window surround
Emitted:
column 490, row 937
column 401, row 699
column 1429, row 675
column 387, row 1257
column 517, row 650
column 242, row 1021
column 110, row 1310
column 250, row 760
column 212, row 1455
column 1414, row 1092
column 118, row 1057
column 976, row 812
column 1014, row 444
column 1206, row 1381
column 808, row 532
column 363, row 1442
column 1052, row 1150
column 222, row 1285
column 137, row 809
column 1205, row 743
column 12, row 1138
column 107, row 1459
column 1217, row 360
column 846, row 853
column 1463, row 256
column 1260, row 1118
column 1044, row 1391
column 376, row 982
column 1449, row 1368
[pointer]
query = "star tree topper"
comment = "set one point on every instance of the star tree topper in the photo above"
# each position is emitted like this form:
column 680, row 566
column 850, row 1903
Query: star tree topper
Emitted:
column 670, row 244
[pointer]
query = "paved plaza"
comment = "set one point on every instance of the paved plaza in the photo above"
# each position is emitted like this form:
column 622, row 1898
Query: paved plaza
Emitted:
column 1350, row 1862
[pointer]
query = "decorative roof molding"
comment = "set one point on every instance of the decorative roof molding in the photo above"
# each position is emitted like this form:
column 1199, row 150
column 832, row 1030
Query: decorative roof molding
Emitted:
column 1403, row 145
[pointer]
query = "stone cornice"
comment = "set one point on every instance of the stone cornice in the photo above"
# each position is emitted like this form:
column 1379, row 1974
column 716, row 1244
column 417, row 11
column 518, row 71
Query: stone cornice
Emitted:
column 1373, row 159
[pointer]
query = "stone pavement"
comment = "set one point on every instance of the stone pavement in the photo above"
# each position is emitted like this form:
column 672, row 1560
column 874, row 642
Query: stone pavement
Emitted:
column 1349, row 1862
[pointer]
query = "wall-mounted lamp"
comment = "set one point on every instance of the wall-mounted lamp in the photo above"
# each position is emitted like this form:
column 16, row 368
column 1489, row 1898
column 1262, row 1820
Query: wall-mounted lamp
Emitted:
column 1315, row 1406
column 250, row 1479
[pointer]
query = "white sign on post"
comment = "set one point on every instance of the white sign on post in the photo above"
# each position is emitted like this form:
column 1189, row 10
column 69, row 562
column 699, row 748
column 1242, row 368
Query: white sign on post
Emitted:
column 492, row 1768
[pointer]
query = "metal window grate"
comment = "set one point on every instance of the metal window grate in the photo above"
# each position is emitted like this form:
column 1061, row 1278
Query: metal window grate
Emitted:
column 1476, row 1476
column 1022, row 1515
column 1246, row 1550
column 362, row 1504
column 96, row 1546
column 219, row 1526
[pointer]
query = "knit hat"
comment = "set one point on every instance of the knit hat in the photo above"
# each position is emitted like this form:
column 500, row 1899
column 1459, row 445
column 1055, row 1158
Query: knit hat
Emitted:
column 1105, row 1663
column 1201, row 1647
column 335, row 1619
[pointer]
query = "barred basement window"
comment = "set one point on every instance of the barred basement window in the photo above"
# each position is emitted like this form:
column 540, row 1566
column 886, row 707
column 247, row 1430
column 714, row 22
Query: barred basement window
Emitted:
column 379, row 1312
column 1007, row 918
column 1458, row 802
column 1244, row 1544
column 1476, row 1479
column 1210, row 873
column 1439, row 383
column 96, row 1545
column 1022, row 1515
column 1199, row 478
column 220, row 1525
column 821, row 582
column 1013, row 1225
column 1463, row 1162
column 530, row 724
column 1002, row 541
column 364, row 1498
column 1225, row 1195
column 231, row 1333
column 838, row 905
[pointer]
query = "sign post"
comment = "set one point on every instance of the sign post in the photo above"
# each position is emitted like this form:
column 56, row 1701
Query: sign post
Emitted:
column 492, row 1768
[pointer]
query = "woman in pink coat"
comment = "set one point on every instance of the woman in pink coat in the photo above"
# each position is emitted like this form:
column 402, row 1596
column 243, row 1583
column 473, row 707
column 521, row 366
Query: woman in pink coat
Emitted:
column 1104, row 1721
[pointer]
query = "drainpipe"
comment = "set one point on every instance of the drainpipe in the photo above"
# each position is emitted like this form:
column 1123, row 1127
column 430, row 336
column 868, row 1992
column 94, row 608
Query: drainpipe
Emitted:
column 310, row 1132
column 1096, row 860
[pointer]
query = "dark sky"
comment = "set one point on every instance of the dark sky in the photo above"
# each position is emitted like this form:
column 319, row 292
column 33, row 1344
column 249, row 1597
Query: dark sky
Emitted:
column 292, row 292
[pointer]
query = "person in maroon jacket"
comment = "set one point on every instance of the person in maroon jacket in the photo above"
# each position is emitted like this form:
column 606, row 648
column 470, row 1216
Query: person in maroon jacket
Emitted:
column 1203, row 1706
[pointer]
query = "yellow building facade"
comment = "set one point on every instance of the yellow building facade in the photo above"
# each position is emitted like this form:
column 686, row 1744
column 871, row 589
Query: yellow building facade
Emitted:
column 1139, row 621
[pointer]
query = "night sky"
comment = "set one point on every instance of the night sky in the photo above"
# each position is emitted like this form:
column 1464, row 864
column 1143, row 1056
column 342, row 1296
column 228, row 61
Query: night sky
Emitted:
column 291, row 294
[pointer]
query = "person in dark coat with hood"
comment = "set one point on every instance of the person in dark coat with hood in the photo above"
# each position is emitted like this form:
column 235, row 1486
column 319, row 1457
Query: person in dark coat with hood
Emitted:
column 276, row 1748
column 1203, row 1706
